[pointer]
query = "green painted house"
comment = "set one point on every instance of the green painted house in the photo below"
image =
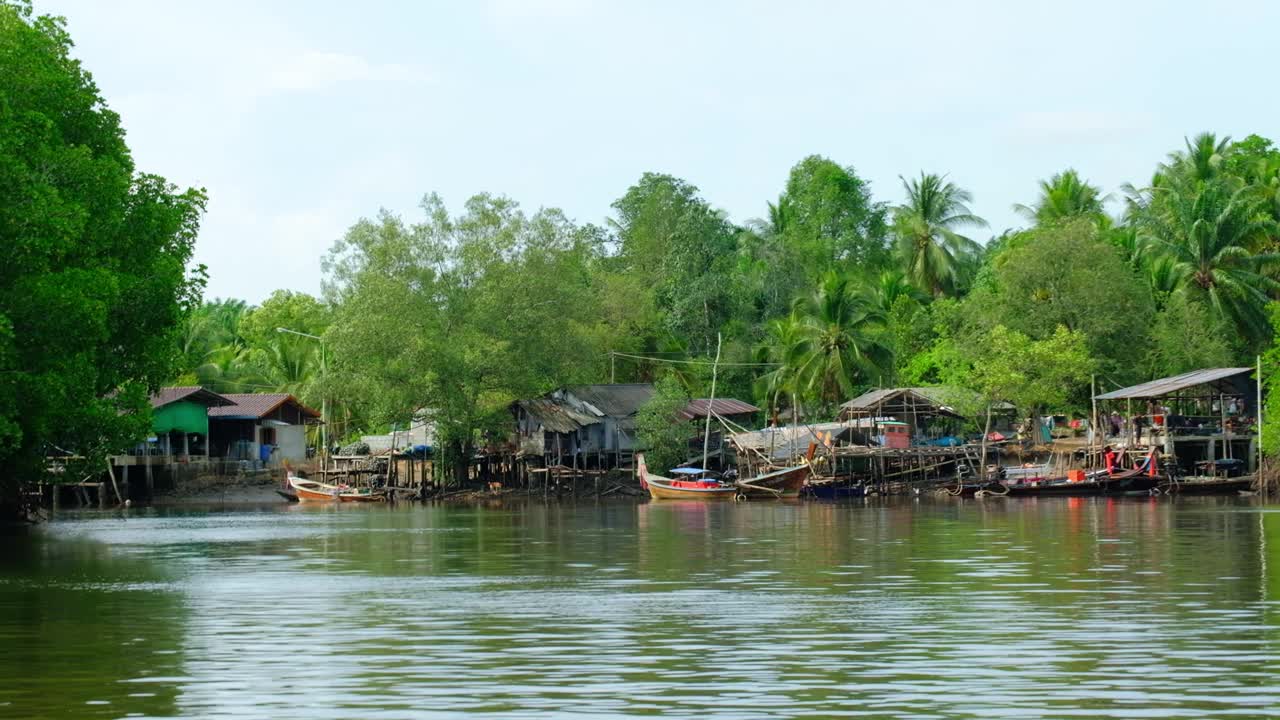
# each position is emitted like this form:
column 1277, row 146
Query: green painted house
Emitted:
column 180, row 420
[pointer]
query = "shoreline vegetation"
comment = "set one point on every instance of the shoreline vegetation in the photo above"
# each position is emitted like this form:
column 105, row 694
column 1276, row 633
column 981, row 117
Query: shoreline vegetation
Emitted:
column 836, row 288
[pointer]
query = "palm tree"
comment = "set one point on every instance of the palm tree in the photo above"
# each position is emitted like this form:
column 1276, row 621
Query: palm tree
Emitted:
column 1211, row 236
column 782, row 335
column 931, row 251
column 1200, row 162
column 837, row 343
column 893, row 285
column 1062, row 197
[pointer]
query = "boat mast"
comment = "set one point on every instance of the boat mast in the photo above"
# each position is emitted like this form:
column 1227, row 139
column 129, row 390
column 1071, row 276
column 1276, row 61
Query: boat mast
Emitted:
column 706, row 431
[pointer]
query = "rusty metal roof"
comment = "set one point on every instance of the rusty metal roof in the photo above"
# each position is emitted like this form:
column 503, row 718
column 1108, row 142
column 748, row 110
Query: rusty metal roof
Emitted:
column 617, row 400
column 257, row 405
column 720, row 406
column 1166, row 386
column 556, row 416
column 190, row 393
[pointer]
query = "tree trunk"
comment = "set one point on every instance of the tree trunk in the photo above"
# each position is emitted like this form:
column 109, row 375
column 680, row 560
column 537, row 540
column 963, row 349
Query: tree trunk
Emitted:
column 461, row 462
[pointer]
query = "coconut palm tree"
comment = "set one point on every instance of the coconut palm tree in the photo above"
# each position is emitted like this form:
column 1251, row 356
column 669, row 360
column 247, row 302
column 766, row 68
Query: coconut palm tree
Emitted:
column 1200, row 162
column 931, row 250
column 1062, row 197
column 837, row 348
column 893, row 285
column 1212, row 236
column 782, row 335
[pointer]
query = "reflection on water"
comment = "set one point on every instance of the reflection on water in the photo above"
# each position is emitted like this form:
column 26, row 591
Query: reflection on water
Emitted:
column 974, row 609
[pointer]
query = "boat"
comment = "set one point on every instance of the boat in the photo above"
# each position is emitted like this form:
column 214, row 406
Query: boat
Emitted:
column 784, row 483
column 1140, row 480
column 1201, row 485
column 695, row 488
column 313, row 491
column 1098, row 482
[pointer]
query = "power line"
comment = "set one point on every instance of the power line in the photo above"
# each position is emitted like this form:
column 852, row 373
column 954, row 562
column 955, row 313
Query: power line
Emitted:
column 691, row 362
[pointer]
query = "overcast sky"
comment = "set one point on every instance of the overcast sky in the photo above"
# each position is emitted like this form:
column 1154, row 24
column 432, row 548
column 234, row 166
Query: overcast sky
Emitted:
column 301, row 117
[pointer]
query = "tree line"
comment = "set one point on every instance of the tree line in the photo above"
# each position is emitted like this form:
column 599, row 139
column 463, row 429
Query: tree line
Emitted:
column 830, row 292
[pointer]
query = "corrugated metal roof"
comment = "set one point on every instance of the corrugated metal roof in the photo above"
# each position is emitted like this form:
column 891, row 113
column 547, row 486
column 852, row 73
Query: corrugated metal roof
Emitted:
column 1165, row 386
column 921, row 399
column 555, row 416
column 719, row 406
column 257, row 405
column 787, row 440
column 614, row 400
column 191, row 393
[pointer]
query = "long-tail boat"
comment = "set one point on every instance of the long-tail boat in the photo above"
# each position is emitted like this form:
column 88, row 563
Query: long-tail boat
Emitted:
column 665, row 488
column 784, row 483
column 313, row 491
column 1199, row 485
column 1103, row 481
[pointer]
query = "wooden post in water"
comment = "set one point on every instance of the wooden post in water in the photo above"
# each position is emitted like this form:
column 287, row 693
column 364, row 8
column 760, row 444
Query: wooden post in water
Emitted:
column 1259, row 466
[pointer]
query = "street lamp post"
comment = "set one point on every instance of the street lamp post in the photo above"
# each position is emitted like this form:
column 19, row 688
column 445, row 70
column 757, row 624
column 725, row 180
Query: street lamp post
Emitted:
column 324, row 393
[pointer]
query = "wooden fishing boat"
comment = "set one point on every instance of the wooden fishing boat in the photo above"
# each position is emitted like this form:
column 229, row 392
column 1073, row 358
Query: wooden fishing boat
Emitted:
column 1208, row 485
column 1100, row 482
column 783, row 483
column 314, row 491
column 665, row 488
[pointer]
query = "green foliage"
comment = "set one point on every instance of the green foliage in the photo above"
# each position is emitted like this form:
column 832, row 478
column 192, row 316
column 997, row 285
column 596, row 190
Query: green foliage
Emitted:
column 837, row 349
column 660, row 430
column 1209, row 234
column 1271, row 386
column 1031, row 374
column 829, row 217
column 683, row 251
column 1186, row 336
column 460, row 316
column 935, row 256
column 1067, row 275
column 95, row 283
column 1065, row 197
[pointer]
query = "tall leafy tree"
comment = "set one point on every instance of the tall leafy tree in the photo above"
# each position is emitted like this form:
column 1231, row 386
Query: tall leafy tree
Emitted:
column 932, row 251
column 684, row 251
column 829, row 218
column 1067, row 275
column 838, row 349
column 1201, row 161
column 95, row 283
column 455, row 317
column 1065, row 196
column 1211, row 235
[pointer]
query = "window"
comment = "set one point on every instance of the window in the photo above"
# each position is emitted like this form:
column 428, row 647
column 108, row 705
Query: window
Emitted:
column 267, row 436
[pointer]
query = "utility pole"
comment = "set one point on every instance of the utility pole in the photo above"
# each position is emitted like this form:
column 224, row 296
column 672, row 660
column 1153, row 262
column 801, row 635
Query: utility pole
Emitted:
column 706, row 433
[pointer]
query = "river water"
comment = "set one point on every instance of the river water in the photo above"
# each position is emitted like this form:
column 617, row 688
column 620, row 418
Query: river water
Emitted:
column 879, row 609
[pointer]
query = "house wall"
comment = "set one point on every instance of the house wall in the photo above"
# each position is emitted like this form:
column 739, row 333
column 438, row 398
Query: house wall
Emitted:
column 183, row 416
column 291, row 444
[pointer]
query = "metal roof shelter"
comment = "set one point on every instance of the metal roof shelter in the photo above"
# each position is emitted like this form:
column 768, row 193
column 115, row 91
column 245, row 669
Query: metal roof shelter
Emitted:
column 1217, row 378
column 723, row 407
column 614, row 400
column 922, row 402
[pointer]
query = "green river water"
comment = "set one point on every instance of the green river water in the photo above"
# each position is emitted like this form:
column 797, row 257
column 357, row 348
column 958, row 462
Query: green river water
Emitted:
column 992, row 608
